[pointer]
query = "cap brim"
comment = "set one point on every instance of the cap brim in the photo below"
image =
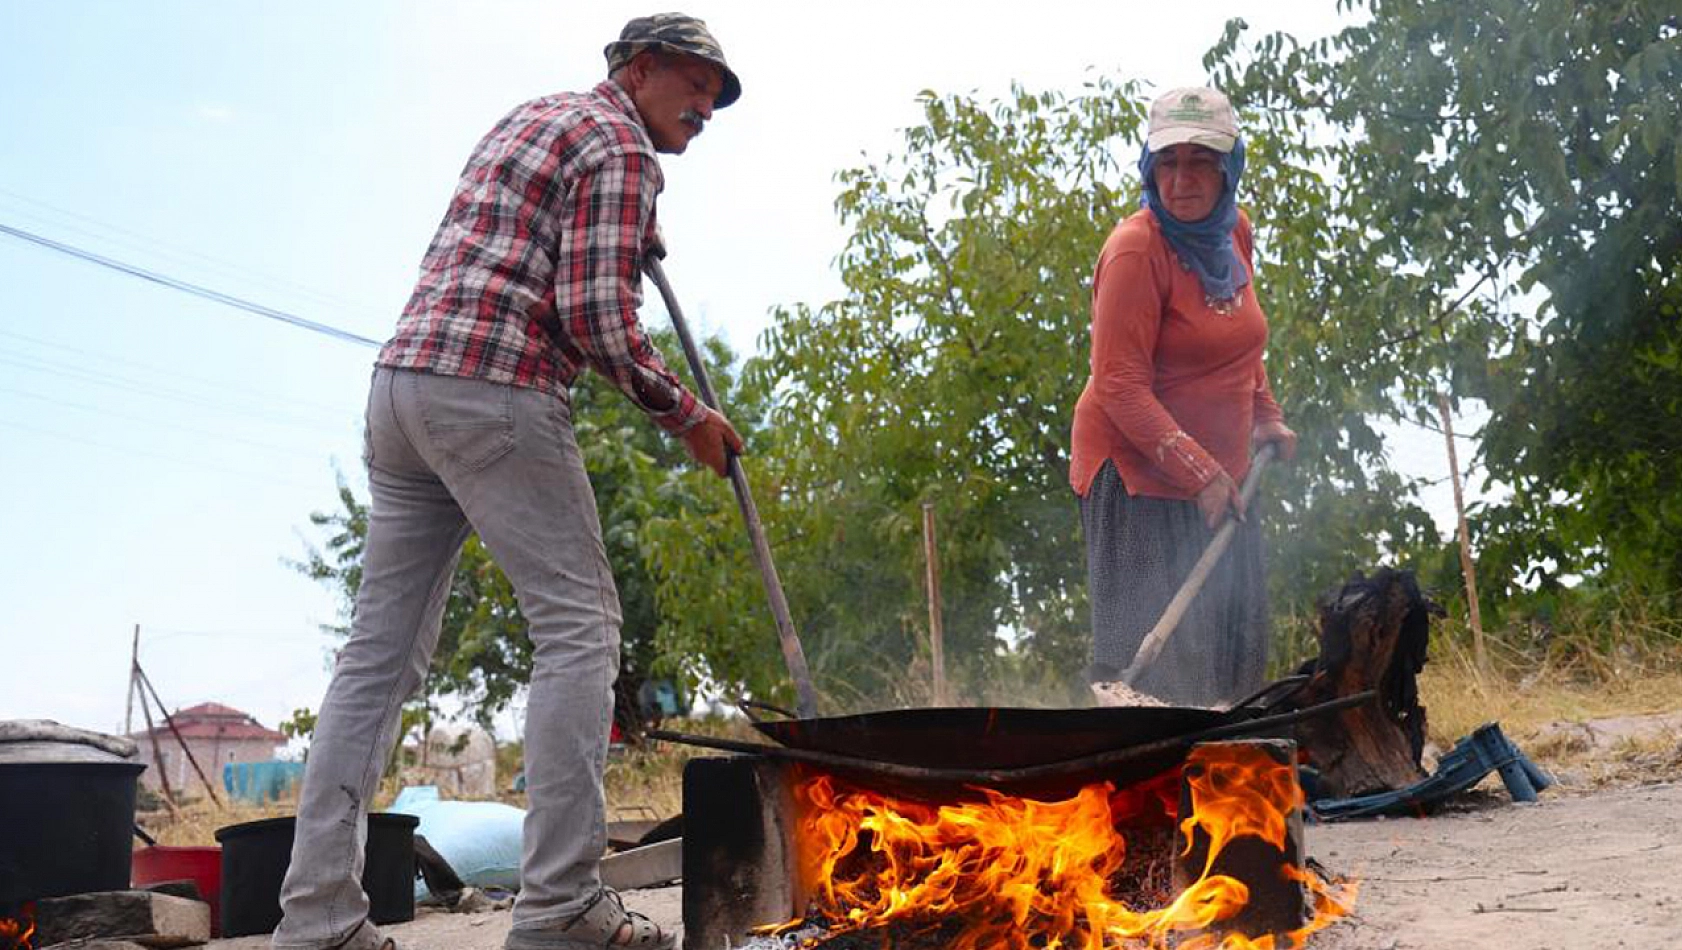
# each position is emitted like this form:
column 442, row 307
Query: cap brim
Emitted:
column 1176, row 135
column 730, row 91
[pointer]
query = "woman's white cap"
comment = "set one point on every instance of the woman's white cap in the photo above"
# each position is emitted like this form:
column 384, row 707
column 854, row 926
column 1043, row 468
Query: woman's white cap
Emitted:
column 1196, row 114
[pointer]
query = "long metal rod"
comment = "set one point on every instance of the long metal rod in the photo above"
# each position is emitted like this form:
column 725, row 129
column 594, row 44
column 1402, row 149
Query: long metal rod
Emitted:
column 1099, row 760
column 806, row 698
column 1151, row 646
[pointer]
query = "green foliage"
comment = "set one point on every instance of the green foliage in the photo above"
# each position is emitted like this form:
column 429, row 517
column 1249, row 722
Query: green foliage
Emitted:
column 484, row 655
column 1528, row 150
column 301, row 725
column 949, row 371
column 945, row 375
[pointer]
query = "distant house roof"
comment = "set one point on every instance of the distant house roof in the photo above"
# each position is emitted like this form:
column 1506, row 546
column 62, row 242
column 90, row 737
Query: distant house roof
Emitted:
column 215, row 721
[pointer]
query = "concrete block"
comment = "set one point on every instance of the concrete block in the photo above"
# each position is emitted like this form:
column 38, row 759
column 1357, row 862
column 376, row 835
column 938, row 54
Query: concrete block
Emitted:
column 151, row 920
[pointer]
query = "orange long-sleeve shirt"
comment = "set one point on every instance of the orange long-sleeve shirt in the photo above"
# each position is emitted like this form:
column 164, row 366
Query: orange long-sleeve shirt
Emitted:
column 1176, row 385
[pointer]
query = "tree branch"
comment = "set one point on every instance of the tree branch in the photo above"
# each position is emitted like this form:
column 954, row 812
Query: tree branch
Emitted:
column 1442, row 315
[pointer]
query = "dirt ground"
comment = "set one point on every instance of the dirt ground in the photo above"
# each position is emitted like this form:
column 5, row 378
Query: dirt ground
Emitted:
column 1589, row 866
column 1572, row 871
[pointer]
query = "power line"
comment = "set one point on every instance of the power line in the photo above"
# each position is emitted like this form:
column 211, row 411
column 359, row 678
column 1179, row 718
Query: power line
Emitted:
column 194, row 289
column 193, row 430
column 248, row 412
column 126, row 450
column 152, row 245
column 219, row 386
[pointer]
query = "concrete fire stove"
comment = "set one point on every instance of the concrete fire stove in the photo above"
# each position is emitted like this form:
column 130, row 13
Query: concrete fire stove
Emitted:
column 742, row 858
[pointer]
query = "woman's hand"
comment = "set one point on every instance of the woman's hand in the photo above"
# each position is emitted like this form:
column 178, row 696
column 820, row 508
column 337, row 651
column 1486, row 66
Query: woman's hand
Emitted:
column 1279, row 435
column 1217, row 497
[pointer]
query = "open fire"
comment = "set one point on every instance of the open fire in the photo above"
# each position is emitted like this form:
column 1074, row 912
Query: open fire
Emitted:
column 16, row 932
column 1090, row 871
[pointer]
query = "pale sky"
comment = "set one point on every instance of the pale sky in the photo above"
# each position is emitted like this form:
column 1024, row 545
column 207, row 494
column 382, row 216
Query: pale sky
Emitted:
column 160, row 453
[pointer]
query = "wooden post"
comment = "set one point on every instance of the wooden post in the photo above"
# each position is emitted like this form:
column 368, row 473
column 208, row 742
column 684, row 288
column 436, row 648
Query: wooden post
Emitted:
column 146, row 681
column 133, row 664
column 1466, row 569
column 157, row 752
column 937, row 638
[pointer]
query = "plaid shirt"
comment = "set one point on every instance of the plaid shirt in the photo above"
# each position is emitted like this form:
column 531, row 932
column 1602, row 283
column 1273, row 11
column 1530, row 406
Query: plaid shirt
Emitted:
column 536, row 269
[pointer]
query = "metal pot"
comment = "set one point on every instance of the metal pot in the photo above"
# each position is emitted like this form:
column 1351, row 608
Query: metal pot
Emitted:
column 65, row 828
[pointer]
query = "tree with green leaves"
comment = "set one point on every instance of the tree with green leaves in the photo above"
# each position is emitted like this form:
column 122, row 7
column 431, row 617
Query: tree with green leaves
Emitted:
column 948, row 373
column 1515, row 168
column 484, row 656
column 1479, row 199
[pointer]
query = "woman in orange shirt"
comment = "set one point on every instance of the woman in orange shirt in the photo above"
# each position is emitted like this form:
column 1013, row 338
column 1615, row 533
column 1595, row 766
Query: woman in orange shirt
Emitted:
column 1177, row 401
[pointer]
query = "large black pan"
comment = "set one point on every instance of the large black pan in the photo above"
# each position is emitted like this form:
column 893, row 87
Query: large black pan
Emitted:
column 996, row 738
column 1003, row 738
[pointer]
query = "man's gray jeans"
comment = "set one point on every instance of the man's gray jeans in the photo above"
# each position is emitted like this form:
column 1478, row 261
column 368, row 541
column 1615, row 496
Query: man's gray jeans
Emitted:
column 448, row 455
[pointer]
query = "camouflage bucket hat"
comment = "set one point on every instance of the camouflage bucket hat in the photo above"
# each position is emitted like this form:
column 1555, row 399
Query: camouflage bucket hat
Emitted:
column 677, row 33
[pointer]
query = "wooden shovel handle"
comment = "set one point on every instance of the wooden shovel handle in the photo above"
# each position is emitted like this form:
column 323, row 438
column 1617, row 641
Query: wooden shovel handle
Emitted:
column 793, row 655
column 1151, row 647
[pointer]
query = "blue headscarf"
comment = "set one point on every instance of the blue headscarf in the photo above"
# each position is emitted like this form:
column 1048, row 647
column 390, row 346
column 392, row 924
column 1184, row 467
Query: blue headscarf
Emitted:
column 1204, row 246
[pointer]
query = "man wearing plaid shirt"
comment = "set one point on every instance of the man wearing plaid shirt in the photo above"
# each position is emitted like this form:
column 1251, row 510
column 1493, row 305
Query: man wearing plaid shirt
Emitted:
column 533, row 276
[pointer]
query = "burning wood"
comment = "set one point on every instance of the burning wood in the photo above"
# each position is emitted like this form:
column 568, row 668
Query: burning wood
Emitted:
column 16, row 932
column 1090, row 871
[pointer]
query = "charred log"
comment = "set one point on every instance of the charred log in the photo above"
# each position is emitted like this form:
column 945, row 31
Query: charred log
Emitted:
column 1374, row 634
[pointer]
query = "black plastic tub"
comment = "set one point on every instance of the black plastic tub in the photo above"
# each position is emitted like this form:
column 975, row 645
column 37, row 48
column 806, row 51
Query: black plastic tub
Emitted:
column 65, row 828
column 255, row 856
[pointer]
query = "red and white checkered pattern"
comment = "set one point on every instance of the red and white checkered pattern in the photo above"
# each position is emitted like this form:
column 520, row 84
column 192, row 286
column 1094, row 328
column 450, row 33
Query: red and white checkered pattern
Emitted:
column 536, row 270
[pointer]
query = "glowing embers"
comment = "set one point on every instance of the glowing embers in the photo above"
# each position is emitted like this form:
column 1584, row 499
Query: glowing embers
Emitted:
column 1105, row 868
column 17, row 931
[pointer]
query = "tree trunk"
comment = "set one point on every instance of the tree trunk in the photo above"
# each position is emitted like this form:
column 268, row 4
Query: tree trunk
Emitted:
column 1373, row 635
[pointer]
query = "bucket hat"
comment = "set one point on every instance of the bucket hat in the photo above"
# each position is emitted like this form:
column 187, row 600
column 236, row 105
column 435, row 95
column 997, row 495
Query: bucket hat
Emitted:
column 677, row 33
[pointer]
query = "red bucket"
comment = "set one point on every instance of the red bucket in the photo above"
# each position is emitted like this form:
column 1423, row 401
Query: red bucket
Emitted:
column 201, row 865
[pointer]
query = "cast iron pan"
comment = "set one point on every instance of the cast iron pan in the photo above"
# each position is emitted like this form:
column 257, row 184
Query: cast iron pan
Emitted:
column 1002, row 737
column 988, row 738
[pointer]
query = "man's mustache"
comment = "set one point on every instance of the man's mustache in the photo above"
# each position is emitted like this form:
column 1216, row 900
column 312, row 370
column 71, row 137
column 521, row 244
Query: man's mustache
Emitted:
column 693, row 119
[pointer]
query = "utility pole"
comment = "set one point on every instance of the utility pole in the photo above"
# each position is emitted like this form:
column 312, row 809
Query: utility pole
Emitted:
column 1466, row 568
column 133, row 664
column 158, row 754
column 937, row 645
column 146, row 681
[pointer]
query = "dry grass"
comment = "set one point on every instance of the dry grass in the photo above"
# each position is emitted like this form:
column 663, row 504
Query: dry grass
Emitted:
column 1541, row 703
column 1633, row 671
column 196, row 822
column 647, row 782
column 1460, row 698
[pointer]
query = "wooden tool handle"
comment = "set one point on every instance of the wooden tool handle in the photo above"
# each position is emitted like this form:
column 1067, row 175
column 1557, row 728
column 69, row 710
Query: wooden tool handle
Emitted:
column 1151, row 647
column 806, row 698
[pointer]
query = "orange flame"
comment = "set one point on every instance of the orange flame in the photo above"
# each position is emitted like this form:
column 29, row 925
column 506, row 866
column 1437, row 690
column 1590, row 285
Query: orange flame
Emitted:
column 15, row 932
column 1015, row 872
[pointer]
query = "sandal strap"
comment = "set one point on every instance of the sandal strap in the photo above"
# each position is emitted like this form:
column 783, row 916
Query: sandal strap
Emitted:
column 601, row 920
column 644, row 932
